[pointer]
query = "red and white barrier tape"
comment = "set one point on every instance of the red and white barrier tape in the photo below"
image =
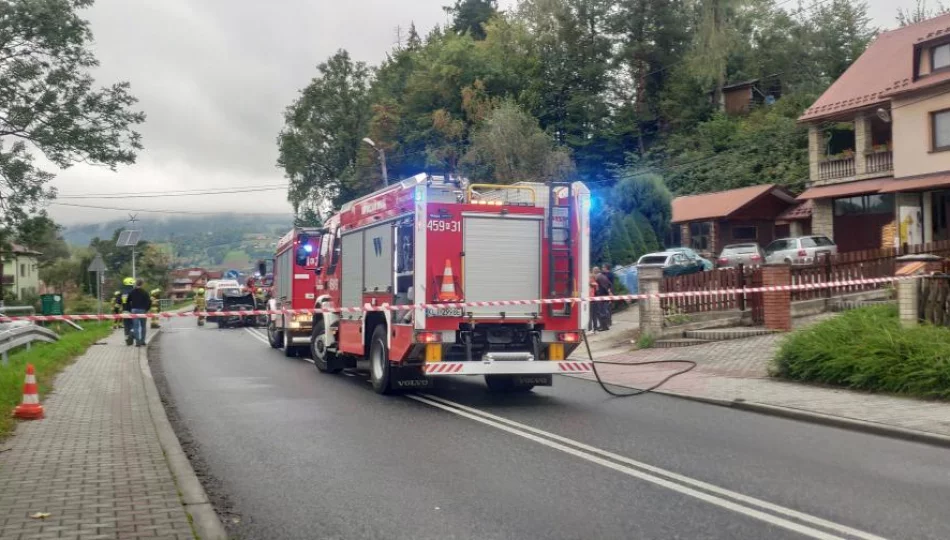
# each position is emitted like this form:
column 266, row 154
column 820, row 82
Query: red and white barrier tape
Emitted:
column 494, row 303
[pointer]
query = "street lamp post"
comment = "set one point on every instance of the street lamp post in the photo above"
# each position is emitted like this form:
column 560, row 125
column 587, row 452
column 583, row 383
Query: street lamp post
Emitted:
column 382, row 159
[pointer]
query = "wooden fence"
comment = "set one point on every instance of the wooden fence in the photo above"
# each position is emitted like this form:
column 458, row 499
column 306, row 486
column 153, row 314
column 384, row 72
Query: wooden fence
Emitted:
column 933, row 299
column 712, row 281
column 855, row 265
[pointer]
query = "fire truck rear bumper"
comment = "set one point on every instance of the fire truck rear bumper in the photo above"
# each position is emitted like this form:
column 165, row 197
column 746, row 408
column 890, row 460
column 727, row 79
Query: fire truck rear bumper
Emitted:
column 507, row 367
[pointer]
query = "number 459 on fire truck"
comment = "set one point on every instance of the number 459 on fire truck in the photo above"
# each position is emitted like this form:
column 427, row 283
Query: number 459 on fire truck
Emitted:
column 450, row 278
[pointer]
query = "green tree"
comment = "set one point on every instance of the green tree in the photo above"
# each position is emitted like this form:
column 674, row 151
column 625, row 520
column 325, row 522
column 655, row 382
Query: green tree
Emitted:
column 48, row 102
column 620, row 248
column 646, row 195
column 470, row 16
column 62, row 273
column 510, row 147
column 842, row 32
column 920, row 12
column 42, row 234
column 323, row 129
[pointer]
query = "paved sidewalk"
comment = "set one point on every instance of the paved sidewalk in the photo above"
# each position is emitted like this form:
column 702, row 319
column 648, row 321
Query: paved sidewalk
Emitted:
column 733, row 370
column 95, row 463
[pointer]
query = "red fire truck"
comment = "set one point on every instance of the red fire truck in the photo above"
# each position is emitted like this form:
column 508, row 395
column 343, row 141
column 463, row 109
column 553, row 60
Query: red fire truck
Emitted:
column 434, row 241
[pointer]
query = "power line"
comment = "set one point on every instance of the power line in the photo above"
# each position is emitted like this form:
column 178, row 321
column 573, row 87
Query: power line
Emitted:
column 155, row 211
column 219, row 191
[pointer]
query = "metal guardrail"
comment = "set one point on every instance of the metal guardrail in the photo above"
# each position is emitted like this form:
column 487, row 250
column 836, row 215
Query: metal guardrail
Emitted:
column 25, row 335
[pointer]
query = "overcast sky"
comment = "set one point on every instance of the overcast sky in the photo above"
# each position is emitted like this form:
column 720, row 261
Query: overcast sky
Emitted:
column 214, row 76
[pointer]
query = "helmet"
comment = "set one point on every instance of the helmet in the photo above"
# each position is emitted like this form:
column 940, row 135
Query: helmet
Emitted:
column 128, row 281
column 201, row 290
column 117, row 293
column 156, row 292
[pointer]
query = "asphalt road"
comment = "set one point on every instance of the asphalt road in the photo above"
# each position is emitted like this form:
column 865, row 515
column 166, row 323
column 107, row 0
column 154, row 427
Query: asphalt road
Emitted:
column 300, row 454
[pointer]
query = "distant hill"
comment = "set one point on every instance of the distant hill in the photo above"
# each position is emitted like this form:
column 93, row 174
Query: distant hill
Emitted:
column 222, row 241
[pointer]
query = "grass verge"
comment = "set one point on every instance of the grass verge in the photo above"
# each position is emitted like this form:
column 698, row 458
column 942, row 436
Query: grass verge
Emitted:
column 867, row 349
column 48, row 359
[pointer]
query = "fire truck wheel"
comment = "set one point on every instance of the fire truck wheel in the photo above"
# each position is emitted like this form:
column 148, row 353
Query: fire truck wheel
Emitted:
column 322, row 358
column 289, row 350
column 379, row 371
column 275, row 338
column 505, row 383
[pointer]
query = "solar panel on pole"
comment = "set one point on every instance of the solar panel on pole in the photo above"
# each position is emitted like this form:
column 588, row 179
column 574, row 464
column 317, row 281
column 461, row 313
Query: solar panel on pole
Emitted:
column 128, row 238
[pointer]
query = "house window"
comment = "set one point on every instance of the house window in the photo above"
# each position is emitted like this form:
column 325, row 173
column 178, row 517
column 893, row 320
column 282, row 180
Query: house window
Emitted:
column 940, row 130
column 745, row 233
column 22, row 270
column 864, row 204
column 699, row 235
column 940, row 57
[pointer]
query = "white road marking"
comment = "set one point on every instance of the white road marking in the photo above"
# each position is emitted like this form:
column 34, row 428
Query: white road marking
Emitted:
column 257, row 336
column 718, row 496
column 261, row 337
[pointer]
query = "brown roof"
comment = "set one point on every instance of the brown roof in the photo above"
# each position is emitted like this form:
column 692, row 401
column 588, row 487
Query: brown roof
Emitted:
column 719, row 204
column 22, row 250
column 802, row 211
column 885, row 68
column 845, row 189
column 918, row 183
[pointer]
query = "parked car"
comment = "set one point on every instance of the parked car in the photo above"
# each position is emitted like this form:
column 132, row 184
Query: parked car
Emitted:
column 745, row 254
column 694, row 255
column 800, row 250
column 673, row 263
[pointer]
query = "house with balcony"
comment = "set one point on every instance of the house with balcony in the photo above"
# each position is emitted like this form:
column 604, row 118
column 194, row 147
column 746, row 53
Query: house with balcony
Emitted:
column 184, row 281
column 879, row 143
column 21, row 274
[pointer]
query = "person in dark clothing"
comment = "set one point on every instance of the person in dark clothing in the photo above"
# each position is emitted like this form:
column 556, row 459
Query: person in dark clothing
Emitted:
column 139, row 302
column 122, row 298
column 612, row 279
column 601, row 309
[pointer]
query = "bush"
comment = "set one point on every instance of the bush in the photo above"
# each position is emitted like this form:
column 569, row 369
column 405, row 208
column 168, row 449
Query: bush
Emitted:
column 867, row 349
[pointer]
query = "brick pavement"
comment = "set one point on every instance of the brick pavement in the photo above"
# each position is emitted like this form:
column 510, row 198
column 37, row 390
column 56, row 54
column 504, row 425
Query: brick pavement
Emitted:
column 738, row 370
column 95, row 463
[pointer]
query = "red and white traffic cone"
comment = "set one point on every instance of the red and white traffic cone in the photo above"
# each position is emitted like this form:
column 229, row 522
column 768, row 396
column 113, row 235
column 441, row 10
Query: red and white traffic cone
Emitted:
column 447, row 292
column 30, row 409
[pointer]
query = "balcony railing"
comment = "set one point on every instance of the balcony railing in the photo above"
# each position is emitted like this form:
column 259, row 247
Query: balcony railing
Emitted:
column 836, row 168
column 880, row 161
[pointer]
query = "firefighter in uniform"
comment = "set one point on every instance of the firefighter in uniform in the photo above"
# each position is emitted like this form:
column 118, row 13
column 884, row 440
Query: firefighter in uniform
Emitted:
column 200, row 305
column 116, row 310
column 155, row 309
column 127, row 285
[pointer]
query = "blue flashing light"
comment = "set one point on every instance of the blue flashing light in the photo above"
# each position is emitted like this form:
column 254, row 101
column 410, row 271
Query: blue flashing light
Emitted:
column 308, row 248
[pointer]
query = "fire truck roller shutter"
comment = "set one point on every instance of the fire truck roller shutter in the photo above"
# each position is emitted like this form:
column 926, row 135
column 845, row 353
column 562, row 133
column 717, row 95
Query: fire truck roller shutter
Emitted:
column 502, row 262
column 352, row 273
column 378, row 258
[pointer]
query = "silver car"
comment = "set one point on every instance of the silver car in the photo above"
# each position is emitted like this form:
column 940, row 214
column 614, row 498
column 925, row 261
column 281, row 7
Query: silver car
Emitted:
column 744, row 254
column 800, row 250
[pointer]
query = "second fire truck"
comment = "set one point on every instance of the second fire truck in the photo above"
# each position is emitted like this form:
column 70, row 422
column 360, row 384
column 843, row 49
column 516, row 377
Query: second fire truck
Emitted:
column 433, row 241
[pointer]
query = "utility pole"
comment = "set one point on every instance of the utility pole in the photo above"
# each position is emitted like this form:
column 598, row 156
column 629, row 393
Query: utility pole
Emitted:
column 132, row 221
column 382, row 159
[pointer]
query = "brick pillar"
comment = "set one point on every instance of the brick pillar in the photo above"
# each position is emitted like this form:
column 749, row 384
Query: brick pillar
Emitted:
column 816, row 151
column 651, row 313
column 777, row 304
column 822, row 218
column 685, row 238
column 907, row 301
column 862, row 143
